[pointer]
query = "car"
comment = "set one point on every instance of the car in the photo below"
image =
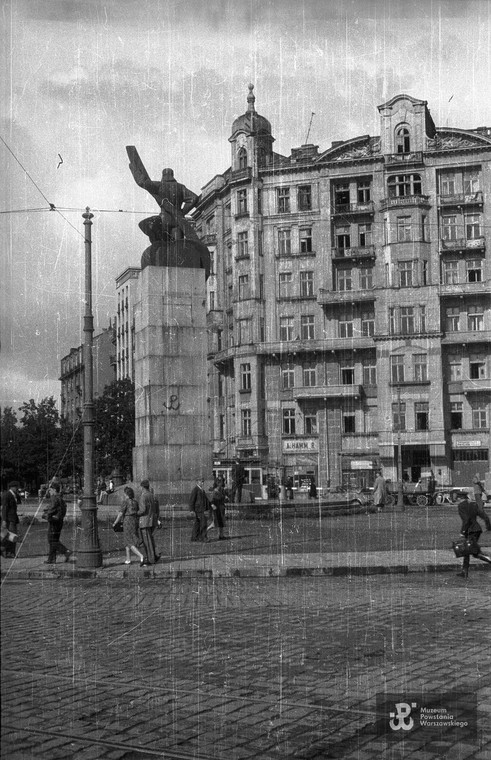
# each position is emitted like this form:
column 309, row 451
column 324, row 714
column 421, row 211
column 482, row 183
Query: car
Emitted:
column 349, row 496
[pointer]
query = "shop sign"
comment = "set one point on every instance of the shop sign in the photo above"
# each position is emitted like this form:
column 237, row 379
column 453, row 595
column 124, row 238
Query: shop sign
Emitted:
column 361, row 464
column 294, row 446
column 470, row 444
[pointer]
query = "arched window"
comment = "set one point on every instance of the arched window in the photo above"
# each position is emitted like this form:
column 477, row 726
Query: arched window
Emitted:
column 242, row 158
column 403, row 141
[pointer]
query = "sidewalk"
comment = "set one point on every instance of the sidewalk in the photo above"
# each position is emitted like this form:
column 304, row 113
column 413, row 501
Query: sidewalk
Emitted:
column 243, row 566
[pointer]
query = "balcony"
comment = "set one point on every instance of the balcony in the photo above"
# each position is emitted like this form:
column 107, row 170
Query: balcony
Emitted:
column 328, row 392
column 209, row 239
column 464, row 288
column 476, row 386
column 463, row 337
column 241, row 174
column 359, row 252
column 404, row 159
column 335, row 297
column 463, row 244
column 404, row 200
column 345, row 209
column 461, row 199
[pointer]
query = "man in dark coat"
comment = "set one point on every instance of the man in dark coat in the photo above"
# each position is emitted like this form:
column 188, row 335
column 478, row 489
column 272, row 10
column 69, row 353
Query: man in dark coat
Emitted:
column 149, row 516
column 55, row 514
column 238, row 480
column 199, row 505
column 468, row 513
column 10, row 518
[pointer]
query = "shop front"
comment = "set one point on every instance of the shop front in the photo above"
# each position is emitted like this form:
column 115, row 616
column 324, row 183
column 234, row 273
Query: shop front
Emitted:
column 301, row 462
column 358, row 472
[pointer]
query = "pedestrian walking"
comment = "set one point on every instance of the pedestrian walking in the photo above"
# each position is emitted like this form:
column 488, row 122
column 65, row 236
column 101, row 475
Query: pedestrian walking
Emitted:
column 148, row 513
column 55, row 515
column 479, row 491
column 312, row 488
column 431, row 486
column 218, row 499
column 238, row 480
column 289, row 488
column 379, row 491
column 199, row 505
column 128, row 515
column 10, row 518
column 469, row 511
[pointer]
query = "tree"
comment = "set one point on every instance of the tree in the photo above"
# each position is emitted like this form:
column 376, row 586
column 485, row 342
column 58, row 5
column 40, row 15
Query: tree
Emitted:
column 68, row 453
column 37, row 439
column 115, row 428
column 10, row 452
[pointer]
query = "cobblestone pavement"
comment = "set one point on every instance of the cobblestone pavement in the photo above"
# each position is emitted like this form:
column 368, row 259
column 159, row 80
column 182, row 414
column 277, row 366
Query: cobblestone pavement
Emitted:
column 233, row 668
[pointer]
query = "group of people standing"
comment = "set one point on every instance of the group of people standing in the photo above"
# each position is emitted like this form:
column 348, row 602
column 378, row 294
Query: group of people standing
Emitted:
column 204, row 508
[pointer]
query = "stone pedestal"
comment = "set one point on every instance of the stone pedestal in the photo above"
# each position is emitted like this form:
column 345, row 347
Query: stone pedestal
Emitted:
column 172, row 437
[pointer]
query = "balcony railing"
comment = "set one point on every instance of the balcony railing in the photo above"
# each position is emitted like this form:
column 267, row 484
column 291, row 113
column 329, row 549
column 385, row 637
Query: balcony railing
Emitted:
column 353, row 208
column 464, row 288
column 461, row 199
column 326, row 297
column 404, row 200
column 241, row 174
column 402, row 159
column 358, row 252
column 476, row 386
column 328, row 391
column 463, row 244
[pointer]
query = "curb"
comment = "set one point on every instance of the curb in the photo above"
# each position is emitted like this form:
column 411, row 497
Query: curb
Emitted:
column 251, row 572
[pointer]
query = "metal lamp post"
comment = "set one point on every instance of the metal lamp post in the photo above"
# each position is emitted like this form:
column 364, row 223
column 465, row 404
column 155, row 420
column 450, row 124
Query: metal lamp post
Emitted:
column 89, row 553
column 400, row 492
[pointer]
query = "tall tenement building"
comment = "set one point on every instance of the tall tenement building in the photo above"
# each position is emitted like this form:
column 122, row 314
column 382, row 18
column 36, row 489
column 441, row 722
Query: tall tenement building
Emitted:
column 349, row 304
column 126, row 289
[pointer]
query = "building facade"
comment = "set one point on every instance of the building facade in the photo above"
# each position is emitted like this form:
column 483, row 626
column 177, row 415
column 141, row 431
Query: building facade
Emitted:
column 126, row 291
column 349, row 305
column 72, row 374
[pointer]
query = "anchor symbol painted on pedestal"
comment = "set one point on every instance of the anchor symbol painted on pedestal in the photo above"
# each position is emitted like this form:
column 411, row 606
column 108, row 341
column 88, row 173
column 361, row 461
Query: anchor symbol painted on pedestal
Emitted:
column 173, row 404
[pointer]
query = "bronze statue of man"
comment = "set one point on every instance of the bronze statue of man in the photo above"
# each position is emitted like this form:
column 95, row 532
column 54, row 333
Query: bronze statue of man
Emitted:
column 175, row 201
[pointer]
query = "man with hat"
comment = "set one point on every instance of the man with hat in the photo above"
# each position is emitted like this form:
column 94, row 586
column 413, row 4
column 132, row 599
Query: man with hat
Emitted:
column 10, row 518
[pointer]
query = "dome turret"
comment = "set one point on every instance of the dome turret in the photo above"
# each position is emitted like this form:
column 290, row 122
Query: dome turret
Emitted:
column 251, row 122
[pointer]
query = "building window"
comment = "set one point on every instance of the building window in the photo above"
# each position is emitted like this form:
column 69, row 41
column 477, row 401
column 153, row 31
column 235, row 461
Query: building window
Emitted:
column 420, row 368
column 450, row 272
column 305, row 240
column 304, row 198
column 242, row 201
column 397, row 369
column 244, row 290
column 345, row 326
column 347, row 375
column 245, row 377
column 343, row 239
column 220, row 386
column 456, row 415
column 242, row 158
column 471, row 181
column 479, row 415
column 289, row 421
column 407, row 320
column 421, row 415
column 245, row 419
column 403, row 228
column 306, row 284
column 447, row 184
column 259, row 201
column 221, row 427
column 363, row 191
column 473, row 270
column 283, row 200
column 392, row 320
column 403, row 185
column 285, row 284
column 477, row 369
column 403, row 142
column 286, row 328
column 212, row 300
column 364, row 235
column 243, row 244
column 455, row 366
column 244, row 326
column 307, row 327
column 284, row 242
column 288, row 376
column 341, row 197
column 344, row 279
column 449, row 228
column 367, row 324
column 369, row 372
column 310, row 424
column 366, row 278
column 422, row 319
column 425, row 236
column 452, row 318
column 472, row 226
column 349, row 423
column 406, row 274
column 475, row 318
column 399, row 416
column 309, row 374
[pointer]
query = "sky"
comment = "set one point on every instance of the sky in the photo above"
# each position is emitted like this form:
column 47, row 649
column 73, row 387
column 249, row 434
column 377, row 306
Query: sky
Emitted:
column 83, row 79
